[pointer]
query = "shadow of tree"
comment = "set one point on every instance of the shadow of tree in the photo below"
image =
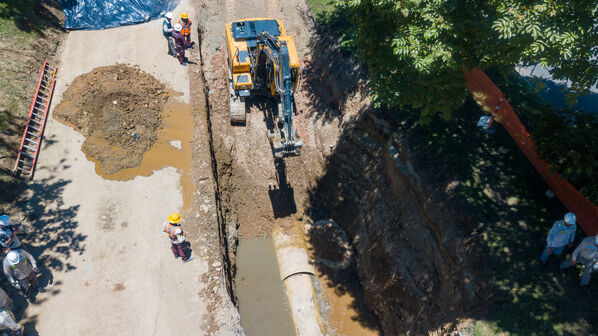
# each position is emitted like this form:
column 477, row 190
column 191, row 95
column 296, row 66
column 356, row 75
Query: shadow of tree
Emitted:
column 32, row 15
column 502, row 217
column 50, row 234
column 331, row 73
column 52, row 228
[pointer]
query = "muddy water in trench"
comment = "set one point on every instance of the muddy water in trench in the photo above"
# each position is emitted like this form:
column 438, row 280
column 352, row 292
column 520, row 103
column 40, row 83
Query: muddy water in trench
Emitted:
column 338, row 312
column 172, row 149
column 263, row 304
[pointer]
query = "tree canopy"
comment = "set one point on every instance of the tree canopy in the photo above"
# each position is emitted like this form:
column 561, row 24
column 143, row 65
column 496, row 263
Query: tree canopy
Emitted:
column 416, row 50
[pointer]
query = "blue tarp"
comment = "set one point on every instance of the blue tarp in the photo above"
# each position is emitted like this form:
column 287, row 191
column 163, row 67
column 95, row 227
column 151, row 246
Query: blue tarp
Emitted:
column 102, row 14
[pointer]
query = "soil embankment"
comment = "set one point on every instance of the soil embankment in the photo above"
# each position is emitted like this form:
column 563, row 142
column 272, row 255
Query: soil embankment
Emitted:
column 409, row 228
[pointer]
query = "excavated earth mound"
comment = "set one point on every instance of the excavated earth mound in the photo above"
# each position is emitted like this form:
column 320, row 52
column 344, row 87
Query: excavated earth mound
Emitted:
column 118, row 110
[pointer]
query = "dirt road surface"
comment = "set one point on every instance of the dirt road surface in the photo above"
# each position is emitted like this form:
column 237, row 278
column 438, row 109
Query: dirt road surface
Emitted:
column 100, row 242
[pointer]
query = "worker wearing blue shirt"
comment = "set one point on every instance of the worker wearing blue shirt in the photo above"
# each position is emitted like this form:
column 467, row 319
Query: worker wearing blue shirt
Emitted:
column 561, row 235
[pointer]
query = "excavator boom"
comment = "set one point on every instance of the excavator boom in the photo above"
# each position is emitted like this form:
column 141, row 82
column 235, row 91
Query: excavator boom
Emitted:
column 263, row 61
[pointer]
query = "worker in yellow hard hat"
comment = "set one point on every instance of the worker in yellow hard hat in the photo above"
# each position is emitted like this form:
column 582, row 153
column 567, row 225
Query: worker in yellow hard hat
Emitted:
column 177, row 237
column 186, row 24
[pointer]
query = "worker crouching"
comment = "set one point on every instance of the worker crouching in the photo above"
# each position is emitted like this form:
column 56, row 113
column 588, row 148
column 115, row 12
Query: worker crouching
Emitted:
column 180, row 42
column 177, row 237
column 20, row 269
column 586, row 254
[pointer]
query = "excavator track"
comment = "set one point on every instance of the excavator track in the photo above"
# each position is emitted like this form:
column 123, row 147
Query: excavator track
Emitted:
column 237, row 104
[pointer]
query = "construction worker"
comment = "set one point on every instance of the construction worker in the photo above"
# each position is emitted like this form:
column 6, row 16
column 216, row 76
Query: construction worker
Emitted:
column 20, row 269
column 8, row 233
column 586, row 254
column 180, row 42
column 167, row 32
column 561, row 235
column 8, row 324
column 177, row 237
column 186, row 24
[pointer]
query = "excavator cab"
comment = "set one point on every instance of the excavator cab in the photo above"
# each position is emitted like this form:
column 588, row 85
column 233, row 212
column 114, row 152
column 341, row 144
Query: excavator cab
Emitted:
column 262, row 60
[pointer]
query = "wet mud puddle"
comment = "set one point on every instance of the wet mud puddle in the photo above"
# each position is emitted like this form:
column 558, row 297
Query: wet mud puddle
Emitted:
column 172, row 149
column 263, row 303
column 341, row 311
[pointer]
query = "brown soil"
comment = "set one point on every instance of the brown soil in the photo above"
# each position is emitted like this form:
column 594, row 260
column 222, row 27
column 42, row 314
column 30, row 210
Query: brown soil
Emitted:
column 118, row 110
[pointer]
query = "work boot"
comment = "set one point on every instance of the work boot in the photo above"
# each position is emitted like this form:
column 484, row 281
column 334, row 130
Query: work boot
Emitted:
column 40, row 289
column 188, row 259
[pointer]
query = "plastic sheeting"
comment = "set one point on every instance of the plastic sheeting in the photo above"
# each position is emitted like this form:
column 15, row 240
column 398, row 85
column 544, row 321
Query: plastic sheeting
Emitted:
column 102, row 14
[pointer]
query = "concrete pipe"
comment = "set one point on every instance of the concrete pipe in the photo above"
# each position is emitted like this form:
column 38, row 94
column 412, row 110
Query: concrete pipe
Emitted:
column 296, row 274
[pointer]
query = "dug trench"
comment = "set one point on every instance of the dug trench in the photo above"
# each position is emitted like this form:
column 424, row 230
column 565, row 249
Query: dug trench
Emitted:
column 399, row 255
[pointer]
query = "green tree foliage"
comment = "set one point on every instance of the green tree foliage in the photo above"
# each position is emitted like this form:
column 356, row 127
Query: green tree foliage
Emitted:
column 416, row 50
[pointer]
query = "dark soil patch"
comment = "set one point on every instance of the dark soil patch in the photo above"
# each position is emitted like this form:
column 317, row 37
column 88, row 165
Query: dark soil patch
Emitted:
column 118, row 110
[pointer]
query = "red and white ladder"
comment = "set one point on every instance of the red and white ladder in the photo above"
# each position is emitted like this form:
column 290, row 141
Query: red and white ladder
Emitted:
column 36, row 122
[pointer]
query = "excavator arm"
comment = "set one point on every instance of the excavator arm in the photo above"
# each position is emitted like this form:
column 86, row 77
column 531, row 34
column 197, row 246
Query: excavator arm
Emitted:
column 286, row 141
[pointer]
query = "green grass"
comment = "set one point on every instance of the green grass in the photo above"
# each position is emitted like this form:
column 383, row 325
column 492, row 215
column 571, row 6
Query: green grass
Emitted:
column 22, row 24
column 19, row 24
column 321, row 7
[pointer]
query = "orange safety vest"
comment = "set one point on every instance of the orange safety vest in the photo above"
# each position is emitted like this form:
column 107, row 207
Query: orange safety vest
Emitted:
column 171, row 229
column 186, row 27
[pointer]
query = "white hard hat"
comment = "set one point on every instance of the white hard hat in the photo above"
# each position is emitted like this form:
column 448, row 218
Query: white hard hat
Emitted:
column 13, row 257
column 178, row 27
column 570, row 218
column 5, row 221
column 168, row 15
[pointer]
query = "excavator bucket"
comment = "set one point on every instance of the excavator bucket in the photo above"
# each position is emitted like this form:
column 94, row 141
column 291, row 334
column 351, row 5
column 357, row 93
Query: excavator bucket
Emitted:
column 282, row 148
column 237, row 111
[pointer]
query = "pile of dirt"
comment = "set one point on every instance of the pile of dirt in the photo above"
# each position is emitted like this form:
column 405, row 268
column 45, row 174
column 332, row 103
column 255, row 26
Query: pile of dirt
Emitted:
column 118, row 110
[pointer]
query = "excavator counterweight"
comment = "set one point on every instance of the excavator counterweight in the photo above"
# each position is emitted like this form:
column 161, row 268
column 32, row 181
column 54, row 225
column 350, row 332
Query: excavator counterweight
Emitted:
column 262, row 60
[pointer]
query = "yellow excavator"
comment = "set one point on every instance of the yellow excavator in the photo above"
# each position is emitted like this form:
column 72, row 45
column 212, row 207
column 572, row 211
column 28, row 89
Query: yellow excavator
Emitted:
column 262, row 60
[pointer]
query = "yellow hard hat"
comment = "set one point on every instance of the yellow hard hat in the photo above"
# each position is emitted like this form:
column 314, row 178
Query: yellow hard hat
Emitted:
column 184, row 16
column 174, row 218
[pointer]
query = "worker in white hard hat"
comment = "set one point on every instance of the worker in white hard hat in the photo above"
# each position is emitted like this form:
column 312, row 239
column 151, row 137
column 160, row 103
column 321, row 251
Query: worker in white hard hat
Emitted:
column 167, row 32
column 20, row 269
column 172, row 226
column 586, row 254
column 8, row 233
column 561, row 235
column 180, row 42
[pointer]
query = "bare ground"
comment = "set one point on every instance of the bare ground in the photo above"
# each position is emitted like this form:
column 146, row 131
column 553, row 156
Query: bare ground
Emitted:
column 257, row 192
